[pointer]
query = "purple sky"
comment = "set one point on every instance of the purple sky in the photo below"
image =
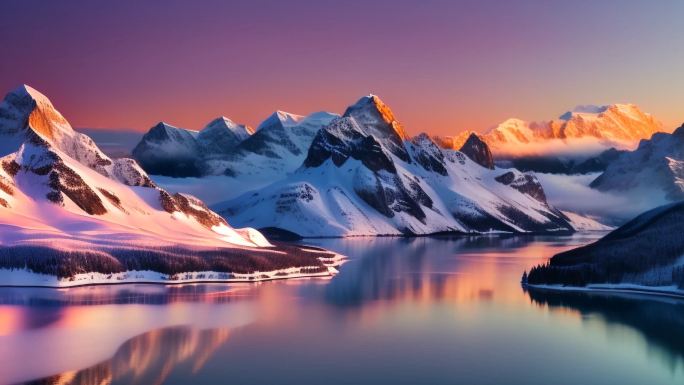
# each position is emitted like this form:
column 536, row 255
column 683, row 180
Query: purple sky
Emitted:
column 443, row 66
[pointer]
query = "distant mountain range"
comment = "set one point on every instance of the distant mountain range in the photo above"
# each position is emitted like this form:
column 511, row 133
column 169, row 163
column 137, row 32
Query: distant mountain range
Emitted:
column 595, row 128
column 363, row 175
column 69, row 214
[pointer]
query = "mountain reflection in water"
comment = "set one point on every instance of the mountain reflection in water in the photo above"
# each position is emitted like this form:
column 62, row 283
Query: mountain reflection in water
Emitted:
column 660, row 320
column 148, row 359
column 401, row 311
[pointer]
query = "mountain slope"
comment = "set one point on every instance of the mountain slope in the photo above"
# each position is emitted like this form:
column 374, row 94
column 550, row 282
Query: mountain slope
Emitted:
column 169, row 150
column 647, row 251
column 67, row 209
column 654, row 170
column 362, row 176
column 278, row 146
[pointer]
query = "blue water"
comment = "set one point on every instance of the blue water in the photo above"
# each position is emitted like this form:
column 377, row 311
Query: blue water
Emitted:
column 401, row 311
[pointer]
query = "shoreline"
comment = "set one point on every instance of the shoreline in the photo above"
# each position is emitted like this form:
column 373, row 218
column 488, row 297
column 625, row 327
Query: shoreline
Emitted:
column 445, row 234
column 664, row 291
column 28, row 279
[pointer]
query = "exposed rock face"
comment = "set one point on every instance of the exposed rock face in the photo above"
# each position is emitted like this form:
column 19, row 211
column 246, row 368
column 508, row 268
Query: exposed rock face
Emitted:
column 377, row 120
column 343, row 138
column 168, row 150
column 378, row 184
column 478, row 151
column 128, row 172
column 190, row 206
column 221, row 136
column 428, row 154
column 525, row 183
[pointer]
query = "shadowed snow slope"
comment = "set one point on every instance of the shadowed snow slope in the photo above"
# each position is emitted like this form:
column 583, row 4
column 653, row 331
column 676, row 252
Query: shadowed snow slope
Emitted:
column 362, row 176
column 58, row 191
column 278, row 145
column 654, row 172
column 646, row 251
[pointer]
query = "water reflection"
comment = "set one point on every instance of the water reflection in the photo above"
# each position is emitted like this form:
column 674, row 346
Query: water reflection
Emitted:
column 438, row 311
column 148, row 359
column 660, row 320
column 453, row 269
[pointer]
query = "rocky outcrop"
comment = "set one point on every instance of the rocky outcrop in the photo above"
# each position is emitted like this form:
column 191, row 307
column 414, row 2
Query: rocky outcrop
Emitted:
column 378, row 120
column 478, row 151
column 525, row 183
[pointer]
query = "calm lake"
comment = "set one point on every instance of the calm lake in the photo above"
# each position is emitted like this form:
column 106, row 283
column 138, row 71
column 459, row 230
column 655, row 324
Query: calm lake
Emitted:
column 401, row 311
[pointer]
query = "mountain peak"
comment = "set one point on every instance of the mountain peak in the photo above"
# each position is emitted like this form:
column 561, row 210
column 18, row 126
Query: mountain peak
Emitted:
column 221, row 135
column 478, row 151
column 282, row 118
column 372, row 107
column 26, row 91
column 378, row 120
column 25, row 110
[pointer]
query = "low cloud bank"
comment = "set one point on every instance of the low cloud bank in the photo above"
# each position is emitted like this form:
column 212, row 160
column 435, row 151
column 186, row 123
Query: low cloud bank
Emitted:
column 572, row 193
column 573, row 148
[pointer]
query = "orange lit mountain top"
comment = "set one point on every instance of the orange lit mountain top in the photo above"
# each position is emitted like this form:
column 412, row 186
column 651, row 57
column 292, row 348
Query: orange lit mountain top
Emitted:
column 584, row 129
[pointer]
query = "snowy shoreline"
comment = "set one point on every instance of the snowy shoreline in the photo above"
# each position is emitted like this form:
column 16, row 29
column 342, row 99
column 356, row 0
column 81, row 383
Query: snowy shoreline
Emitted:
column 666, row 291
column 26, row 278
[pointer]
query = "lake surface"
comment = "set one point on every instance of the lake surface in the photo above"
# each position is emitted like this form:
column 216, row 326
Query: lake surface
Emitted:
column 401, row 311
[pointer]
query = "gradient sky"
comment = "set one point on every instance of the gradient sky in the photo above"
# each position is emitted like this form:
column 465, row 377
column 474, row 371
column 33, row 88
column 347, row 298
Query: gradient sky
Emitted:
column 443, row 66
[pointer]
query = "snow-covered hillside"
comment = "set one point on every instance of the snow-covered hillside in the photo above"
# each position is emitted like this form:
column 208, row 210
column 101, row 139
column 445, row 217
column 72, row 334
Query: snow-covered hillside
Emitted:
column 63, row 201
column 647, row 253
column 583, row 130
column 277, row 147
column 654, row 172
column 362, row 176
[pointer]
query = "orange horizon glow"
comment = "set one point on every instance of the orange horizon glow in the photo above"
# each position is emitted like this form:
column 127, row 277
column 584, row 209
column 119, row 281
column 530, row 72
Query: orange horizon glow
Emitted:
column 442, row 66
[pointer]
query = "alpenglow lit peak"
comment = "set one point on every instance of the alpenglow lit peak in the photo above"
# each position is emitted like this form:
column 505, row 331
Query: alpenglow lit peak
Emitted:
column 586, row 129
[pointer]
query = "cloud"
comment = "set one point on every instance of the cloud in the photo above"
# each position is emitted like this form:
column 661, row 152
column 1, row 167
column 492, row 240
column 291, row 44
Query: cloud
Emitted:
column 572, row 193
column 578, row 147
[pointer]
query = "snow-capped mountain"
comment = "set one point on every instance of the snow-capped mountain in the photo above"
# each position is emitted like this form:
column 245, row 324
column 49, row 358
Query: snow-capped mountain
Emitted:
column 653, row 171
column 645, row 253
column 278, row 146
column 178, row 152
column 362, row 176
column 583, row 130
column 223, row 147
column 169, row 150
column 61, row 196
column 221, row 135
